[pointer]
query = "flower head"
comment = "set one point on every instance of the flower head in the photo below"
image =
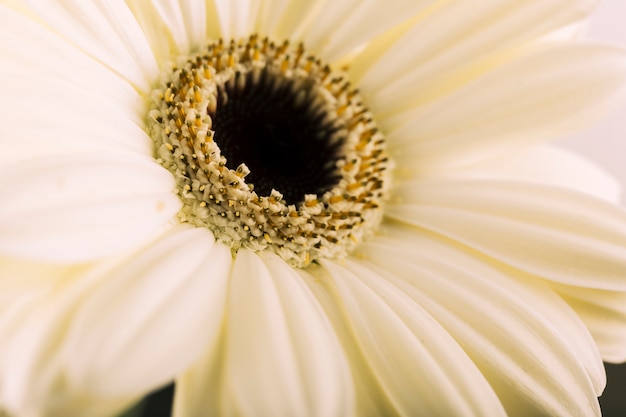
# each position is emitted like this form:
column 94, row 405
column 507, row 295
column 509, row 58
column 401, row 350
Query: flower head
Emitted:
column 305, row 208
column 270, row 150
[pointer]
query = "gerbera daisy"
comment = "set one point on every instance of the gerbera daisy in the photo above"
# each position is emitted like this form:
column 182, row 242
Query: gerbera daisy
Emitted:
column 306, row 208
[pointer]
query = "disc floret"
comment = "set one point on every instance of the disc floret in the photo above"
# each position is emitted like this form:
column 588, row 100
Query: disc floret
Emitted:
column 217, row 110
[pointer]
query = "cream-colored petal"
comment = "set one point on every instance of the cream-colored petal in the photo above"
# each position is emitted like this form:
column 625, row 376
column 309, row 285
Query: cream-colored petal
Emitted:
column 572, row 32
column 237, row 17
column 371, row 401
column 454, row 43
column 545, row 164
column 176, row 27
column 412, row 357
column 197, row 392
column 604, row 313
column 32, row 331
column 19, row 276
column 17, row 5
column 62, row 101
column 84, row 206
column 555, row 233
column 186, row 20
column 532, row 292
column 269, row 13
column 338, row 29
column 106, row 30
column 49, row 117
column 294, row 17
column 281, row 356
column 510, row 330
column 151, row 317
column 544, row 94
column 39, row 59
column 36, row 59
column 79, row 348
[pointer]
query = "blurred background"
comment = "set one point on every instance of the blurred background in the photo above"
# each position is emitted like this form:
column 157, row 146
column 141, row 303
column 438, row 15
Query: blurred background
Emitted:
column 606, row 145
column 606, row 142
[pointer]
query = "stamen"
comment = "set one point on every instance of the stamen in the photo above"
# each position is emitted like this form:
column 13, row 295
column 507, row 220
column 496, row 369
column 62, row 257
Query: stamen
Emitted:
column 270, row 149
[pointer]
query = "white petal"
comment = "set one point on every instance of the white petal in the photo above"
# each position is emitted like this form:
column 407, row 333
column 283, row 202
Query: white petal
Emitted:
column 270, row 12
column 17, row 5
column 19, row 276
column 557, row 234
column 84, row 206
column 62, row 101
column 187, row 21
column 108, row 31
column 419, row 367
column 57, row 337
column 281, row 355
column 546, row 165
column 371, row 401
column 336, row 29
column 237, row 17
column 545, row 94
column 455, row 42
column 532, row 367
column 529, row 291
column 31, row 366
column 197, row 392
column 39, row 59
column 295, row 17
column 66, row 119
column 604, row 313
column 176, row 27
column 572, row 32
column 151, row 317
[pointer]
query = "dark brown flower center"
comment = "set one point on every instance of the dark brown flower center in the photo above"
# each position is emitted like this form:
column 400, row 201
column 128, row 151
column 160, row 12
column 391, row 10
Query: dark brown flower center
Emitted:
column 270, row 149
column 280, row 128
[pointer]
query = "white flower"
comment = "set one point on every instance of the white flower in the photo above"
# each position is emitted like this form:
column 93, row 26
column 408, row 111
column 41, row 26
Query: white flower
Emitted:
column 494, row 285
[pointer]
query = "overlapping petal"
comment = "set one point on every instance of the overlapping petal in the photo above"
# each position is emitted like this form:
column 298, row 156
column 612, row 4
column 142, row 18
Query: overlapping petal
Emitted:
column 604, row 313
column 281, row 357
column 453, row 43
column 32, row 51
column 238, row 17
column 547, row 165
column 173, row 27
column 32, row 329
column 458, row 297
column 543, row 94
column 558, row 234
column 81, row 346
column 278, row 355
column 336, row 29
column 44, row 93
column 101, row 125
column 156, row 302
column 479, row 303
column 83, row 206
column 108, row 31
column 331, row 29
column 411, row 356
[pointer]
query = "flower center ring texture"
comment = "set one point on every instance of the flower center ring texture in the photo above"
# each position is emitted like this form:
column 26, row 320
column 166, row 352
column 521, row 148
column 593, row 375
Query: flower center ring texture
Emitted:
column 270, row 149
